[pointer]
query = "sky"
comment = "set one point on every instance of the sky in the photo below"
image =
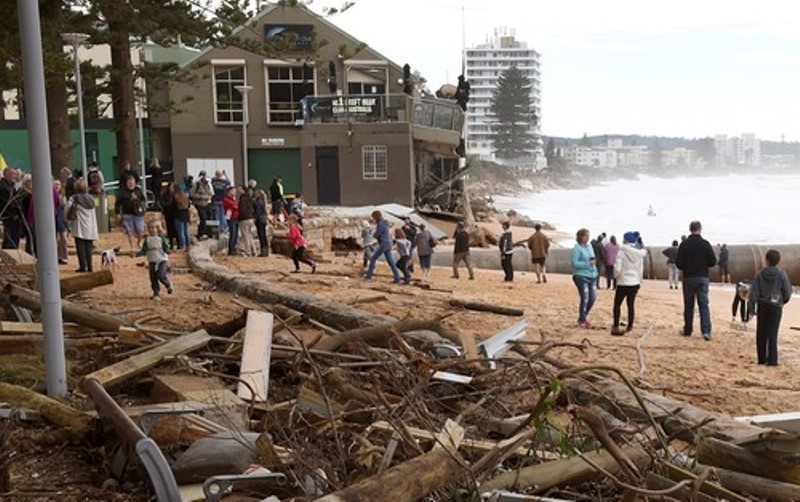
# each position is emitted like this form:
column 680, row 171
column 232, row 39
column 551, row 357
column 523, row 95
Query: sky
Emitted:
column 652, row 67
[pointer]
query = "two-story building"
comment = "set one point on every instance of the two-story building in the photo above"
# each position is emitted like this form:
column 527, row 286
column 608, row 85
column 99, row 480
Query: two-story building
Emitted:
column 327, row 113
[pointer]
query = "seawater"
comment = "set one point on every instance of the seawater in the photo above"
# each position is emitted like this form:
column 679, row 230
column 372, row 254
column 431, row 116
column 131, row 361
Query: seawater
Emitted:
column 735, row 209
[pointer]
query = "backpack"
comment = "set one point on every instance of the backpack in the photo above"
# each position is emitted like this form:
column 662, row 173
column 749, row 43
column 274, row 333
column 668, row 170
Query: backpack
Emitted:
column 72, row 212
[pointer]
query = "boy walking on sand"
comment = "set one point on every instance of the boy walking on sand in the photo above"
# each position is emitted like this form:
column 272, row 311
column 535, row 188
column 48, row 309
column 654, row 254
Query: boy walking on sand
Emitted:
column 156, row 248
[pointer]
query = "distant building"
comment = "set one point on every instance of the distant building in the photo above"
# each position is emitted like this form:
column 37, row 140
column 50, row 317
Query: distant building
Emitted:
column 590, row 157
column 679, row 157
column 737, row 151
column 484, row 65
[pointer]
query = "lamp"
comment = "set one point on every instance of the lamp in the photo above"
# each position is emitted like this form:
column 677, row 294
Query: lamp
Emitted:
column 76, row 40
column 244, row 90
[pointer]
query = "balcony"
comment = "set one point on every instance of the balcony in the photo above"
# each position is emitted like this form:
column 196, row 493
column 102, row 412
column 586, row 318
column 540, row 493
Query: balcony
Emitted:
column 434, row 120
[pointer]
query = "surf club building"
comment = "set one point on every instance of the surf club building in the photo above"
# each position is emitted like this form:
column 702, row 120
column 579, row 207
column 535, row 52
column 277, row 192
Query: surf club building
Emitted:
column 323, row 110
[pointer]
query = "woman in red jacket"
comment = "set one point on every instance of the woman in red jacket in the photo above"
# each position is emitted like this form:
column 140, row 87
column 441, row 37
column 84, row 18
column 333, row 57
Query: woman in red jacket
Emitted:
column 230, row 208
column 299, row 243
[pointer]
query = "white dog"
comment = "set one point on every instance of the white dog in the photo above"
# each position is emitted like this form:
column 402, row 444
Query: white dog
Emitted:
column 108, row 259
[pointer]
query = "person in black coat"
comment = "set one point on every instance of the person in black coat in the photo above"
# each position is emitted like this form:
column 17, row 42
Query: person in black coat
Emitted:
column 695, row 257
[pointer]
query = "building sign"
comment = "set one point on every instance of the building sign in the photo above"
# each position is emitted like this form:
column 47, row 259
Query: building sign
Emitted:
column 302, row 35
column 273, row 141
column 340, row 108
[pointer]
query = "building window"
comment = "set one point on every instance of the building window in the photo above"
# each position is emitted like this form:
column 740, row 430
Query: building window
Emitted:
column 228, row 103
column 286, row 86
column 374, row 162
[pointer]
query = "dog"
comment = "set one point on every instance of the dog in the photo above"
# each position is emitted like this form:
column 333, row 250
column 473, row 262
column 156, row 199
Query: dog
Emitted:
column 108, row 259
column 740, row 300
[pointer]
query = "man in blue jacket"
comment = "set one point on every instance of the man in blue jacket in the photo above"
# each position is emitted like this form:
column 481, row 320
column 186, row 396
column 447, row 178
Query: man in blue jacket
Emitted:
column 384, row 238
column 695, row 257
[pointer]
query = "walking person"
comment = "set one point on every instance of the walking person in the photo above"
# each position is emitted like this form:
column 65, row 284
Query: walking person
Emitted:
column 156, row 248
column 506, row 245
column 584, row 275
column 384, row 249
column 167, row 205
column 771, row 290
column 130, row 207
column 539, row 244
column 628, row 270
column 83, row 222
column 600, row 256
column 368, row 242
column 695, row 256
column 722, row 263
column 424, row 243
column 461, row 251
column 403, row 246
column 672, row 270
column 299, row 243
column 611, row 249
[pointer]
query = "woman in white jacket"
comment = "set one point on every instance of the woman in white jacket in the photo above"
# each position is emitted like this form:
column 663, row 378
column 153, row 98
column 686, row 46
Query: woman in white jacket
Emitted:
column 628, row 270
column 83, row 222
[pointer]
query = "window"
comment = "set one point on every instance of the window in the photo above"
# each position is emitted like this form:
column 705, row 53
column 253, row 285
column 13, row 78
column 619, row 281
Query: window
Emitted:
column 228, row 105
column 286, row 86
column 374, row 162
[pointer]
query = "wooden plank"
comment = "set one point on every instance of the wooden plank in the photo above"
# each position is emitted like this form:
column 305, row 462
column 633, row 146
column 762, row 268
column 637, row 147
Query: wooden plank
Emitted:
column 127, row 335
column 227, row 407
column 789, row 422
column 35, row 328
column 256, row 354
column 16, row 256
column 469, row 345
column 83, row 282
column 135, row 365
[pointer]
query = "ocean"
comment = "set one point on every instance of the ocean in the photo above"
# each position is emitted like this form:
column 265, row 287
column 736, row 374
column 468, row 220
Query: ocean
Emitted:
column 734, row 209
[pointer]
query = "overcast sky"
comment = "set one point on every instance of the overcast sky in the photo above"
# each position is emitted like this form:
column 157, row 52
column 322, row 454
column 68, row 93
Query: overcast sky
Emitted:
column 674, row 68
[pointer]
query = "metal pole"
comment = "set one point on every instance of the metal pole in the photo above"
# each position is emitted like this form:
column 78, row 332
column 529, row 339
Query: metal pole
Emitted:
column 39, row 144
column 245, row 89
column 77, row 39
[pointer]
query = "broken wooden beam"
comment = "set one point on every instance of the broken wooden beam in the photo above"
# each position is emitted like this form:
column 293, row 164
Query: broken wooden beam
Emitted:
column 486, row 307
column 52, row 410
column 135, row 365
column 713, row 452
column 85, row 281
column 34, row 328
column 256, row 352
column 30, row 299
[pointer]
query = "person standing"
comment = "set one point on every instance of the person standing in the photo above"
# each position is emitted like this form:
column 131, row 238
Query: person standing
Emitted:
column 230, row 206
column 201, row 195
column 695, row 256
column 83, row 222
column 127, row 172
column 770, row 291
column 506, row 245
column 584, row 275
column 299, row 244
column 672, row 270
column 262, row 221
column 384, row 239
column 424, row 244
column 368, row 242
column 410, row 230
column 539, row 244
column 461, row 251
column 628, row 270
column 10, row 209
column 167, row 205
column 129, row 207
column 61, row 223
column 247, row 213
column 181, row 203
column 600, row 255
column 611, row 250
column 404, row 252
column 276, row 197
column 220, row 184
column 156, row 176
column 722, row 263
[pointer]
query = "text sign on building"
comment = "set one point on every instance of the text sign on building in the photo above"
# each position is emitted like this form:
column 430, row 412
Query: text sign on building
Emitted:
column 341, row 107
column 301, row 36
column 273, row 141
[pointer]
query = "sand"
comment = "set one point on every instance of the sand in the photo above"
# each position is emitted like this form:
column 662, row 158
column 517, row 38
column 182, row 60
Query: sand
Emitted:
column 719, row 375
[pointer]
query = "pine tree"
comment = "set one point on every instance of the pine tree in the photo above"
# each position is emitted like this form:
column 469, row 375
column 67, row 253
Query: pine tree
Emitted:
column 512, row 110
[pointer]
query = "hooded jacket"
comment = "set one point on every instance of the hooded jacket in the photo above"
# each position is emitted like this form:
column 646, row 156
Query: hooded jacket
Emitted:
column 629, row 265
column 770, row 285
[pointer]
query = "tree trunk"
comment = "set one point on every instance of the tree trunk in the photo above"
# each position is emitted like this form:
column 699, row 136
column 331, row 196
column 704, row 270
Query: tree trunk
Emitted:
column 122, row 92
column 486, row 307
column 74, row 313
column 82, row 282
column 52, row 410
column 718, row 453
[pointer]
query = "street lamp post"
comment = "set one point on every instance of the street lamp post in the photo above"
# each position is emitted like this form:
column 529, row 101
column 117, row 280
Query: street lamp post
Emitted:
column 244, row 90
column 76, row 40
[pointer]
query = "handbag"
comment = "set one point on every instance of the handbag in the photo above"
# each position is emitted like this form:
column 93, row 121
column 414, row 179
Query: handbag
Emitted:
column 72, row 212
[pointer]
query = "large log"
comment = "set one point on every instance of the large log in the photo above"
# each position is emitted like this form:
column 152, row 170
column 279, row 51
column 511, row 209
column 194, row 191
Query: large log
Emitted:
column 486, row 307
column 381, row 333
column 718, row 453
column 52, row 410
column 83, row 282
column 30, row 299
column 744, row 483
column 567, row 471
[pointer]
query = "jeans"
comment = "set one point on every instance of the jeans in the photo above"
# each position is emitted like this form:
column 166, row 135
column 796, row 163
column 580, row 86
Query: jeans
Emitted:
column 387, row 254
column 219, row 214
column 672, row 274
column 182, row 229
column 261, row 230
column 508, row 267
column 587, row 289
column 403, row 264
column 696, row 287
column 768, row 320
column 233, row 236
column 158, row 274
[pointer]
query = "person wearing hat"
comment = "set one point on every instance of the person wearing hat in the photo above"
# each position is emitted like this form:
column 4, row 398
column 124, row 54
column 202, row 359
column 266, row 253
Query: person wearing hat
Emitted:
column 220, row 183
column 628, row 271
column 201, row 194
column 695, row 256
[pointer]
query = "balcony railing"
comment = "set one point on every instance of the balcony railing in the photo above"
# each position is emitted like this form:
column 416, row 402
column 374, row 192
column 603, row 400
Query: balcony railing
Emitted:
column 377, row 108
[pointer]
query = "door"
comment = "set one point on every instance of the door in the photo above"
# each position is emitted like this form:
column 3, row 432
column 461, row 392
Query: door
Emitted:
column 328, row 193
column 265, row 164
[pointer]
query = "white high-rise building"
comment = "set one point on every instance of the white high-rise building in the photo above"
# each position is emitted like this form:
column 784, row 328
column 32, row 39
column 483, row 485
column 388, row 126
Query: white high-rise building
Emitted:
column 484, row 65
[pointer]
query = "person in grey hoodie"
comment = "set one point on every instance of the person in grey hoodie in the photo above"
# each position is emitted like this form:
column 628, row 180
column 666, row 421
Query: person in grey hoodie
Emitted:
column 506, row 246
column 628, row 271
column 770, row 291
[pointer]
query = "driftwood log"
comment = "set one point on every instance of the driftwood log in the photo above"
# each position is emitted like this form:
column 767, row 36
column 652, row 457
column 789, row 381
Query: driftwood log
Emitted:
column 381, row 333
column 486, row 307
column 744, row 483
column 30, row 299
column 711, row 451
column 52, row 410
column 83, row 282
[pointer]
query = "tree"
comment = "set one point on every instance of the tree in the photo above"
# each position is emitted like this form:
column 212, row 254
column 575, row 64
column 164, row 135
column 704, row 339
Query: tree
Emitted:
column 551, row 153
column 511, row 109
